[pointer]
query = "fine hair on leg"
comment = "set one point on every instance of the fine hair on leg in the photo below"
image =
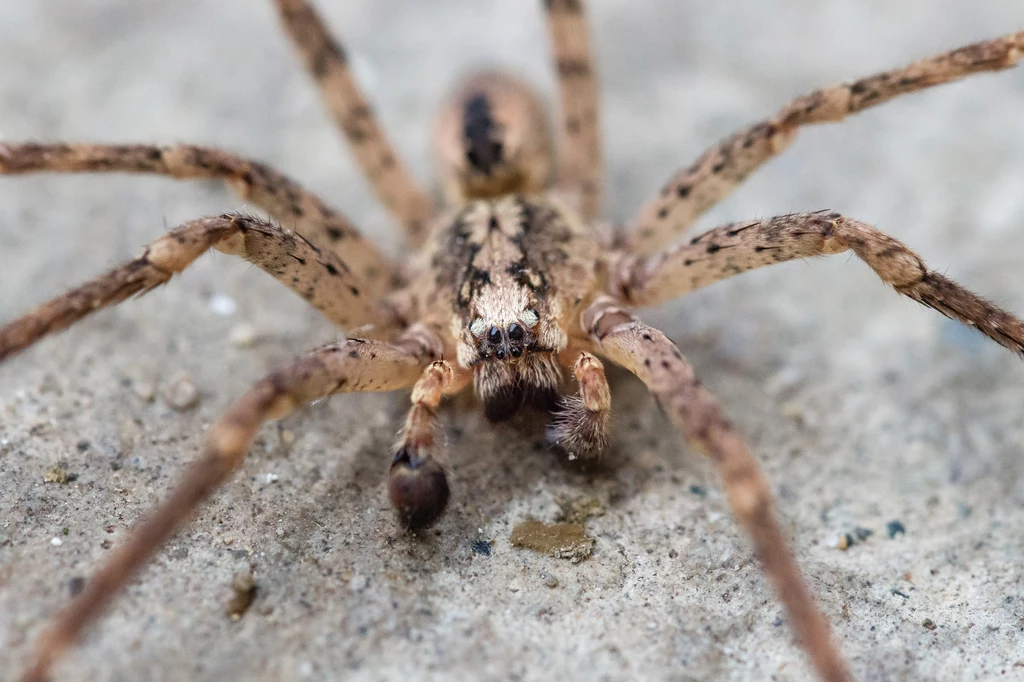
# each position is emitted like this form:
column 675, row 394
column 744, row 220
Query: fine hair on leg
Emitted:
column 731, row 249
column 321, row 278
column 351, row 366
column 692, row 191
column 579, row 152
column 327, row 62
column 692, row 409
column 284, row 199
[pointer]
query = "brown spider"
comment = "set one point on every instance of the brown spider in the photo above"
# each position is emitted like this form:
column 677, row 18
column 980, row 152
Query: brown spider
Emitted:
column 514, row 283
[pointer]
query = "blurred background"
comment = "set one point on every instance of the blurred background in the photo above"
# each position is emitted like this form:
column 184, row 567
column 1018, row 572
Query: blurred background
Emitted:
column 864, row 407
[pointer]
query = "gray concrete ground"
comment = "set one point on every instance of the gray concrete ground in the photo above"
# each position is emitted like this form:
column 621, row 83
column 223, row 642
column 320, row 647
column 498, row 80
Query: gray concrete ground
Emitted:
column 864, row 407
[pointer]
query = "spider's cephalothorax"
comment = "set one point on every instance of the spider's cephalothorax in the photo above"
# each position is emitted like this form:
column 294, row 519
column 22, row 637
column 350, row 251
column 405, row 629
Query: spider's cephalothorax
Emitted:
column 515, row 272
column 513, row 284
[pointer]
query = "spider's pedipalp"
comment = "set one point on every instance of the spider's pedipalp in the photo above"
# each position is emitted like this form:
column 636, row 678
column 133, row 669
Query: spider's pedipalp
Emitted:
column 327, row 62
column 492, row 139
column 350, row 366
column 579, row 163
column 417, row 485
column 322, row 279
column 732, row 249
column 657, row 361
column 695, row 189
column 581, row 422
column 277, row 194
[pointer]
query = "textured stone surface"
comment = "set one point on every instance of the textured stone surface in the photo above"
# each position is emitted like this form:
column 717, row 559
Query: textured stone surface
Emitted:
column 863, row 407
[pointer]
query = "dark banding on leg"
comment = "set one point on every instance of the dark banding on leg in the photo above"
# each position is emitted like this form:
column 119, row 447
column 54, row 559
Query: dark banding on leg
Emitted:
column 657, row 361
column 695, row 189
column 350, row 366
column 324, row 280
column 327, row 62
column 731, row 249
column 280, row 196
column 580, row 165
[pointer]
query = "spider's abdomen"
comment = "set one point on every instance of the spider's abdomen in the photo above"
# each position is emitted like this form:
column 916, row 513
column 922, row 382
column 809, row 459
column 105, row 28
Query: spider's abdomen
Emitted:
column 493, row 139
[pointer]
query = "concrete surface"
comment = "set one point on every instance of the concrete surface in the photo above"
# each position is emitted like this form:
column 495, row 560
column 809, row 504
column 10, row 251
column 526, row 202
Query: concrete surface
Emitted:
column 864, row 407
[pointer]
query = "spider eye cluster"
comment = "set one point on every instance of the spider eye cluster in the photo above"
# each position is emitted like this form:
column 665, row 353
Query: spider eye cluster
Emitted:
column 503, row 343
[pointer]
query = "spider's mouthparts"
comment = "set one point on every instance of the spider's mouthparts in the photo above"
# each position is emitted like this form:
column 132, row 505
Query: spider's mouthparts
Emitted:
column 504, row 389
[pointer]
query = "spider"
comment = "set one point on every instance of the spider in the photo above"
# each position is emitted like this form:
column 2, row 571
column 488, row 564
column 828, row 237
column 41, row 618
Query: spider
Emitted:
column 515, row 283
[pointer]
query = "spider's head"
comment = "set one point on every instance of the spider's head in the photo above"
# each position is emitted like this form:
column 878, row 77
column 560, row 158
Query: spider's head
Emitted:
column 514, row 361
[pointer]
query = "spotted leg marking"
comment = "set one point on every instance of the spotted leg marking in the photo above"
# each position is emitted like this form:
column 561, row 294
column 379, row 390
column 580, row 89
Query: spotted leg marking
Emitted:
column 350, row 366
column 732, row 249
column 321, row 278
column 580, row 167
column 697, row 415
column 275, row 193
column 694, row 190
column 327, row 62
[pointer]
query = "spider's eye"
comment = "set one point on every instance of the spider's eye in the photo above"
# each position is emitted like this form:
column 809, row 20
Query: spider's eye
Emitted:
column 515, row 332
column 516, row 351
column 494, row 335
column 500, row 354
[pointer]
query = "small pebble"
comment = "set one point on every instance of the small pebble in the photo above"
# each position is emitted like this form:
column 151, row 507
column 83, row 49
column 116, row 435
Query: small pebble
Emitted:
column 223, row 305
column 929, row 624
column 181, row 394
column 243, row 586
column 145, row 390
column 844, row 541
column 242, row 335
column 56, row 474
column 698, row 490
column 894, row 528
column 862, row 534
column 482, row 547
column 56, row 542
column 549, row 580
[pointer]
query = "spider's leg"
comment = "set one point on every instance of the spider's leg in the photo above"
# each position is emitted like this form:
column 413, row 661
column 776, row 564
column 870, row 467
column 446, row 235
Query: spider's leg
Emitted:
column 579, row 167
column 320, row 277
column 693, row 190
column 350, row 366
column 327, row 63
column 581, row 421
column 732, row 249
column 275, row 193
column 417, row 484
column 650, row 355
